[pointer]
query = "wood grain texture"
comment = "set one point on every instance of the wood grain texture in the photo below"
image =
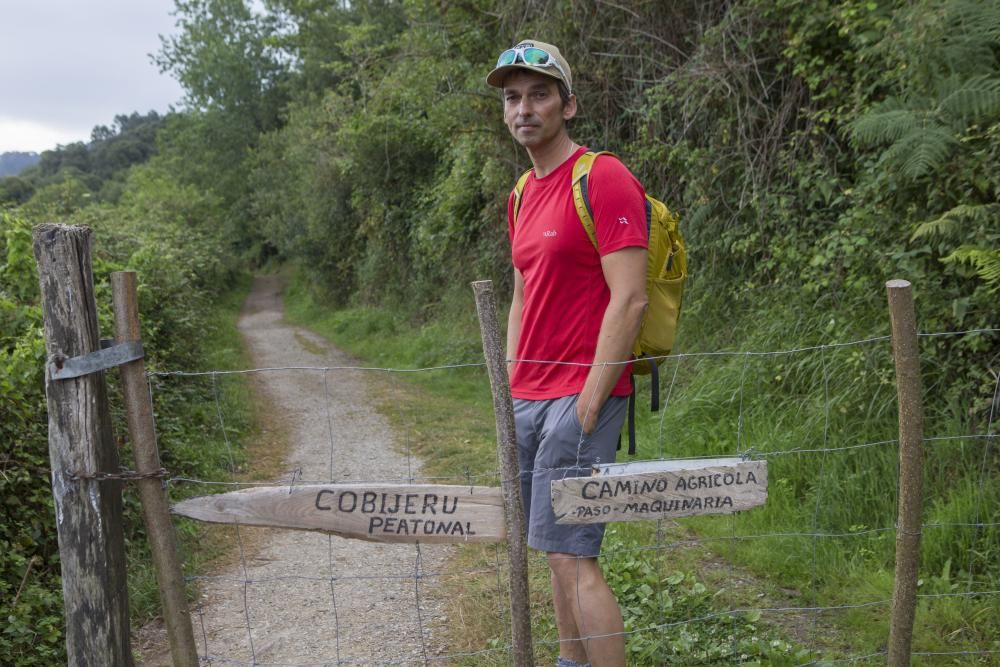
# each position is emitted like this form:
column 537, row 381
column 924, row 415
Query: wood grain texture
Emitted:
column 156, row 513
column 88, row 511
column 906, row 355
column 427, row 513
column 503, row 409
column 660, row 489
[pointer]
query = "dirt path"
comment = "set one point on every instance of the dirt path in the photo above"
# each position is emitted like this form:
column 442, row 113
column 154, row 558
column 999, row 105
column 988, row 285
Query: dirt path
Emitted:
column 299, row 598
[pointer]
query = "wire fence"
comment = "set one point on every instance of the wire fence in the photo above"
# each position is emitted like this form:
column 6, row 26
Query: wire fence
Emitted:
column 767, row 585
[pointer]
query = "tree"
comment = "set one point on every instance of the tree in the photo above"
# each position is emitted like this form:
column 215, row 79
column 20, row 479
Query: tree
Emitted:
column 15, row 190
column 224, row 59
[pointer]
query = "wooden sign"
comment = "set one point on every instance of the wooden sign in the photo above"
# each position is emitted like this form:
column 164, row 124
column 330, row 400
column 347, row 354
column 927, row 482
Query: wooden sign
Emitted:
column 380, row 513
column 660, row 490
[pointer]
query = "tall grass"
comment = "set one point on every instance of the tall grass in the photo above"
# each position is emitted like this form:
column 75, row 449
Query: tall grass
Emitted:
column 824, row 418
column 191, row 439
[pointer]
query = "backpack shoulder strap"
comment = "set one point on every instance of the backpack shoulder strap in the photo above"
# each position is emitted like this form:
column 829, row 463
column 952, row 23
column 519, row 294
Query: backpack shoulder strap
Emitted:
column 581, row 170
column 518, row 189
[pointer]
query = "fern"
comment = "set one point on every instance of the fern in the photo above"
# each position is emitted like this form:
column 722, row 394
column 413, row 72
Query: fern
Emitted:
column 973, row 23
column 951, row 223
column 885, row 125
column 930, row 149
column 985, row 262
column 931, row 119
column 944, row 226
column 979, row 225
column 974, row 100
column 965, row 39
column 919, row 131
column 923, row 150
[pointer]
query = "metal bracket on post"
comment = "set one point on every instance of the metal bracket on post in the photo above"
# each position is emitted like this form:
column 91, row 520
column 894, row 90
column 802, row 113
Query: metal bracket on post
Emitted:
column 61, row 368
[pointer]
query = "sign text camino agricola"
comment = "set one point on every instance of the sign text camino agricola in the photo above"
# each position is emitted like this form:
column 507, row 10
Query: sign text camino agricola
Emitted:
column 660, row 489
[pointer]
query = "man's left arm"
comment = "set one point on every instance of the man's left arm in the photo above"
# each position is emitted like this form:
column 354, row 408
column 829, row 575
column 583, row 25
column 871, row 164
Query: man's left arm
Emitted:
column 625, row 273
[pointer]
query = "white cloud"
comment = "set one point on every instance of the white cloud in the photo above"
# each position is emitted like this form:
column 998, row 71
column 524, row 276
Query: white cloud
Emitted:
column 66, row 66
column 26, row 135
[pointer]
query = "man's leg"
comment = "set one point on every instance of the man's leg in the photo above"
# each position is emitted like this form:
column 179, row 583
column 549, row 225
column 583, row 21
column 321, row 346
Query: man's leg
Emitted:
column 569, row 644
column 588, row 618
column 587, row 614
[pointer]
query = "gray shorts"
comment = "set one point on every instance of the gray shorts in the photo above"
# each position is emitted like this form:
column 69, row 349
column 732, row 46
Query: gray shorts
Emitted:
column 551, row 445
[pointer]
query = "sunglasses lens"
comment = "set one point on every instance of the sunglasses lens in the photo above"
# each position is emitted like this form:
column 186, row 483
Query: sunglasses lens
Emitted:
column 535, row 56
column 507, row 57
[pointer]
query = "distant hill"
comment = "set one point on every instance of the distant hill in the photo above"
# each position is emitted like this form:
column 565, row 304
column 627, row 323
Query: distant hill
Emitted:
column 12, row 164
column 99, row 166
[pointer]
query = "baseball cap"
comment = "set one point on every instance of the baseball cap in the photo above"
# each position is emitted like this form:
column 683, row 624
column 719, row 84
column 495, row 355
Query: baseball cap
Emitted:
column 534, row 56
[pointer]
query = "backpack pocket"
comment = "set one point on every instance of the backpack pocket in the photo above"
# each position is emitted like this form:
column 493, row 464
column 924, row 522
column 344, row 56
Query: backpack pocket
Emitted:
column 656, row 338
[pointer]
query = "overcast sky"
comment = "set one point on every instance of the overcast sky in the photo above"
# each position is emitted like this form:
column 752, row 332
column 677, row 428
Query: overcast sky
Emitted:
column 68, row 65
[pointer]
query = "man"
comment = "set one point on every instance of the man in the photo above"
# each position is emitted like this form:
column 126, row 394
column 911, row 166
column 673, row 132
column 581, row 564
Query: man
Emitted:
column 579, row 306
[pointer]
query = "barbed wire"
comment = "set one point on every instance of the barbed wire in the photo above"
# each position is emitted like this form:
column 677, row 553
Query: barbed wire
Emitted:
column 454, row 366
column 421, row 575
column 124, row 475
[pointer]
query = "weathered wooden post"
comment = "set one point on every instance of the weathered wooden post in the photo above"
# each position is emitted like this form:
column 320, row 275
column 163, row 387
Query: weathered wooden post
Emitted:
column 911, row 474
column 503, row 407
column 81, row 449
column 156, row 512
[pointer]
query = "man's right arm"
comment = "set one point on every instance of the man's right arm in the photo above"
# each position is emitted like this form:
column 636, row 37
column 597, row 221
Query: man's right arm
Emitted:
column 514, row 317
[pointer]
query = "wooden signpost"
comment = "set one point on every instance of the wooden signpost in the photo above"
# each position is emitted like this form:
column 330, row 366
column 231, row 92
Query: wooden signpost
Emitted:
column 646, row 490
column 429, row 513
column 436, row 513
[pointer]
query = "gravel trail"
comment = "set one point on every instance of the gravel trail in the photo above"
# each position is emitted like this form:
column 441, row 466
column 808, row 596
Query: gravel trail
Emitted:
column 315, row 599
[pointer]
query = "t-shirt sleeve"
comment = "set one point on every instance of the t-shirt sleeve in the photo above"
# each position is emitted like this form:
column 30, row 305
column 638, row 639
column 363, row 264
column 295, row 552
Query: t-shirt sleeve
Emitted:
column 618, row 204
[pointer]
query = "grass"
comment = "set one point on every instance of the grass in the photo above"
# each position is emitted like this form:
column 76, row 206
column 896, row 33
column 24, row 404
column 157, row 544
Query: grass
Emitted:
column 445, row 416
column 826, row 420
column 193, row 444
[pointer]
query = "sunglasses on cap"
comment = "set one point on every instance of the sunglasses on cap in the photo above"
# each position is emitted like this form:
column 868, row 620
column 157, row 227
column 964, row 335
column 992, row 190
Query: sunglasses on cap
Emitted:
column 530, row 55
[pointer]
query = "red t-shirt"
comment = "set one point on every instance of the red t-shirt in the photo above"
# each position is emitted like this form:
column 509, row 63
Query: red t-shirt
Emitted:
column 565, row 294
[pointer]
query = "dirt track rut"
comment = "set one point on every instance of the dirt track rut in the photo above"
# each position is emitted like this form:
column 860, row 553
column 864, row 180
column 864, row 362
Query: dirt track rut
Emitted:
column 313, row 599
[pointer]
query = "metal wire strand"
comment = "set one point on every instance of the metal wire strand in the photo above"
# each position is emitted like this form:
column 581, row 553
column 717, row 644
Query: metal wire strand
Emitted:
column 662, row 544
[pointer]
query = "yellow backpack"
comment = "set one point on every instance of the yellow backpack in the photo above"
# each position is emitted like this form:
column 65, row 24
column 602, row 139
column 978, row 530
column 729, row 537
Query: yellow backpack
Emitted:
column 666, row 273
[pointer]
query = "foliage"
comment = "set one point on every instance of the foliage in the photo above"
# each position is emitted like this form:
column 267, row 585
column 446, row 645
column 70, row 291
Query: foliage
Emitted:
column 29, row 579
column 94, row 170
column 234, row 80
column 12, row 163
column 658, row 608
column 158, row 229
column 944, row 116
column 814, row 150
column 223, row 58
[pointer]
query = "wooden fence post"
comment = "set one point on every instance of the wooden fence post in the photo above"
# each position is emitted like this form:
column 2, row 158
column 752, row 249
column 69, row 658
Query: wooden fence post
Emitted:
column 155, row 508
column 911, row 474
column 503, row 408
column 88, row 509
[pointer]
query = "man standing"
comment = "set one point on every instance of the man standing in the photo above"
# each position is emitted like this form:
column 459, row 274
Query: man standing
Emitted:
column 580, row 307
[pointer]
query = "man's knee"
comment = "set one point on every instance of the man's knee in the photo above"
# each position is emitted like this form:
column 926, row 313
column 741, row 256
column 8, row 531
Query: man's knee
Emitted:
column 572, row 569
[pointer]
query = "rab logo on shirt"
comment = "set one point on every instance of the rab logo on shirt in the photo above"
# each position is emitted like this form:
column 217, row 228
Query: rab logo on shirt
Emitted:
column 623, row 220
column 549, row 233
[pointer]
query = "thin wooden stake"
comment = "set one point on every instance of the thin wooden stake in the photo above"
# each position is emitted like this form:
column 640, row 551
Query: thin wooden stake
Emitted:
column 911, row 474
column 88, row 510
column 503, row 408
column 155, row 507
